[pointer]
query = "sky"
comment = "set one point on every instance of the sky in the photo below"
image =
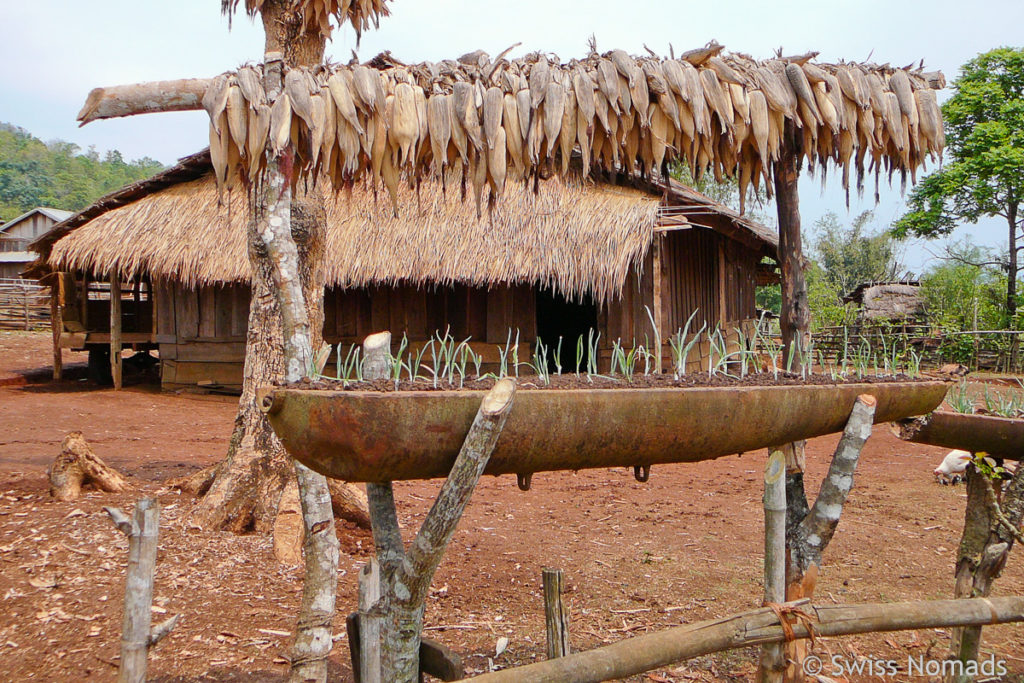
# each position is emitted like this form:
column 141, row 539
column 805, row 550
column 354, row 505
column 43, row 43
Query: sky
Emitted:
column 55, row 51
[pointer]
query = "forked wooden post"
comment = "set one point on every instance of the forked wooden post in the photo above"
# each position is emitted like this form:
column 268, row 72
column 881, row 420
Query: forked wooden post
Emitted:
column 773, row 659
column 556, row 616
column 115, row 329
column 405, row 576
column 142, row 530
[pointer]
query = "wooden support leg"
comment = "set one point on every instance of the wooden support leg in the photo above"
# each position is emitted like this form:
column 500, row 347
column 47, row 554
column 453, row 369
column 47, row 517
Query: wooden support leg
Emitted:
column 115, row 330
column 809, row 535
column 556, row 616
column 142, row 530
column 773, row 659
column 57, row 325
column 405, row 576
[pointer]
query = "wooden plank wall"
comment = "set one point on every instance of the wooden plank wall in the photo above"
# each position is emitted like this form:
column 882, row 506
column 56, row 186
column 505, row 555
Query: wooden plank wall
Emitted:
column 202, row 334
column 420, row 312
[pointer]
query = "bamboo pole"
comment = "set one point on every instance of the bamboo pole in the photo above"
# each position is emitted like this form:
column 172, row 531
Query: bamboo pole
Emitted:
column 773, row 660
column 115, row 330
column 643, row 653
column 556, row 616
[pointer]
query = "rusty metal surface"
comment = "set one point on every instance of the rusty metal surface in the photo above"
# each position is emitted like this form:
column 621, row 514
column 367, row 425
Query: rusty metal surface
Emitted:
column 376, row 436
column 999, row 436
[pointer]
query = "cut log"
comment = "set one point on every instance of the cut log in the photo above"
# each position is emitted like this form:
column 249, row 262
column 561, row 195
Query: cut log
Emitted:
column 184, row 94
column 349, row 503
column 78, row 466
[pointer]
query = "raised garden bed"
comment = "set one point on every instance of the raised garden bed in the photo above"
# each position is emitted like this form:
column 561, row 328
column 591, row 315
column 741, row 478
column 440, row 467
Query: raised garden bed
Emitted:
column 373, row 432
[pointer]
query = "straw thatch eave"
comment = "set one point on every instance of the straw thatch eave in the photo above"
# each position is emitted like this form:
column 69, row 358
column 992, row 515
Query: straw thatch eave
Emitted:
column 574, row 235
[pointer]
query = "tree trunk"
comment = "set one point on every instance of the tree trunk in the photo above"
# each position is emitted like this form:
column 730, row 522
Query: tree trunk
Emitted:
column 1011, row 285
column 246, row 488
column 795, row 316
column 795, row 324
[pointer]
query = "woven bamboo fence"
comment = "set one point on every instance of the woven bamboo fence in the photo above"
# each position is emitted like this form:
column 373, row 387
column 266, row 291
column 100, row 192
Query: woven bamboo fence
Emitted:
column 24, row 305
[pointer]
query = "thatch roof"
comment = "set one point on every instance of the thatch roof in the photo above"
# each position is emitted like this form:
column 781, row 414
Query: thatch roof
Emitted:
column 888, row 300
column 573, row 234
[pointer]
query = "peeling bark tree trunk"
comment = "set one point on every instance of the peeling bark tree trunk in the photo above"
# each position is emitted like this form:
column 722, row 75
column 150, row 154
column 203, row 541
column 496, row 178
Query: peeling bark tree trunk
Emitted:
column 984, row 549
column 77, row 466
column 244, row 492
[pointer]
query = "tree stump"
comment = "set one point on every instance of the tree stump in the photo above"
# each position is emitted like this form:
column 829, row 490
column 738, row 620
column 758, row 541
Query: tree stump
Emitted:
column 78, row 466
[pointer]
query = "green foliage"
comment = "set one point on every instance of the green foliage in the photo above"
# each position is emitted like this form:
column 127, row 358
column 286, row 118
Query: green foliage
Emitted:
column 852, row 255
column 984, row 123
column 961, row 296
column 57, row 174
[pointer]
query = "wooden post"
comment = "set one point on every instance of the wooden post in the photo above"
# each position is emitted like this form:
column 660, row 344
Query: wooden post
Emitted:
column 142, row 529
column 24, row 305
column 115, row 329
column 369, row 623
column 984, row 549
column 387, row 536
column 795, row 316
column 405, row 576
column 663, row 648
column 556, row 616
column 84, row 294
column 57, row 324
column 773, row 660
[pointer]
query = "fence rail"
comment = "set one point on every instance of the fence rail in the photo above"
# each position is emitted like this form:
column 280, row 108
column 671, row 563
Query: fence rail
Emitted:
column 24, row 305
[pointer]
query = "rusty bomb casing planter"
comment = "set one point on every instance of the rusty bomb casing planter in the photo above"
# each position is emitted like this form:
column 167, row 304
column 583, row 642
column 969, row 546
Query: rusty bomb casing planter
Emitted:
column 383, row 436
column 1002, row 437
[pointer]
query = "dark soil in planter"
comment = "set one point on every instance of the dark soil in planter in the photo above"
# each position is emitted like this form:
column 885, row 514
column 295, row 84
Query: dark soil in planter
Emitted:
column 584, row 383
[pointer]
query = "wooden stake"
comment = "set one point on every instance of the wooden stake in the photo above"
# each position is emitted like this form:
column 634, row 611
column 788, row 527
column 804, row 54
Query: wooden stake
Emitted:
column 57, row 324
column 773, row 660
column 556, row 616
column 142, row 530
column 386, row 534
column 663, row 648
column 369, row 623
column 115, row 329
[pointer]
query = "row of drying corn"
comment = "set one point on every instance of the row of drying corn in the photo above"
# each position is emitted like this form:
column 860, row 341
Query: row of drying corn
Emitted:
column 510, row 119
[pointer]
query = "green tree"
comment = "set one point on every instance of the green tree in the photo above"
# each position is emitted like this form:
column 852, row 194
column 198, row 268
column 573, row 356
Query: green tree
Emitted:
column 849, row 256
column 984, row 124
column 57, row 174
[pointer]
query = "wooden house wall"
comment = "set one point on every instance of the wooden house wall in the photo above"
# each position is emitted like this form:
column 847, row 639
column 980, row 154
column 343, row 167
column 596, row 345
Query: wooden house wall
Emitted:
column 201, row 333
column 694, row 271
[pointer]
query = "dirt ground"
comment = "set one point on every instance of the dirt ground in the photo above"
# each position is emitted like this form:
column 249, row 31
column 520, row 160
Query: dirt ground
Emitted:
column 638, row 557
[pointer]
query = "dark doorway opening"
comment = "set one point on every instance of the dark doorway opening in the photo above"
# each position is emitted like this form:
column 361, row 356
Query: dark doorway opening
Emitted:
column 557, row 317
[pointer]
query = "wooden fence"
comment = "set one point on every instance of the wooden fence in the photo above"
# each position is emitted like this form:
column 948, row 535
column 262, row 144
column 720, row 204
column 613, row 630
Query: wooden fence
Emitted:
column 24, row 305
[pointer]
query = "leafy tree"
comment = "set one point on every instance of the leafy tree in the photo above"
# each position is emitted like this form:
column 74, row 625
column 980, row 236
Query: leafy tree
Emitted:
column 984, row 124
column 851, row 256
column 57, row 174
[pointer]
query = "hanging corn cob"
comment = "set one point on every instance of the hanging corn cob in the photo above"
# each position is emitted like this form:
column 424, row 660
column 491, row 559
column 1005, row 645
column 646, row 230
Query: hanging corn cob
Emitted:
column 520, row 118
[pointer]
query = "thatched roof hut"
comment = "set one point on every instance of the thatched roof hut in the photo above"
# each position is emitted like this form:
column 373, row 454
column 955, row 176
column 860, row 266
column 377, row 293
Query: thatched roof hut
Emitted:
column 891, row 301
column 596, row 250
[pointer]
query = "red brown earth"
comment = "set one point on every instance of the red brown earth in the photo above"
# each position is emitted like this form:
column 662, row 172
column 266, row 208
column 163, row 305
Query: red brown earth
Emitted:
column 683, row 547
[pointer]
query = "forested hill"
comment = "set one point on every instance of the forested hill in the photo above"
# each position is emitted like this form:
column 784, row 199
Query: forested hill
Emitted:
column 58, row 174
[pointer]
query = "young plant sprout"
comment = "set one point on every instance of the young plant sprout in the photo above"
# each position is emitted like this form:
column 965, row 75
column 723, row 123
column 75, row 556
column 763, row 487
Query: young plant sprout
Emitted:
column 959, row 400
column 657, row 342
column 540, row 362
column 558, row 357
column 579, row 354
column 681, row 347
